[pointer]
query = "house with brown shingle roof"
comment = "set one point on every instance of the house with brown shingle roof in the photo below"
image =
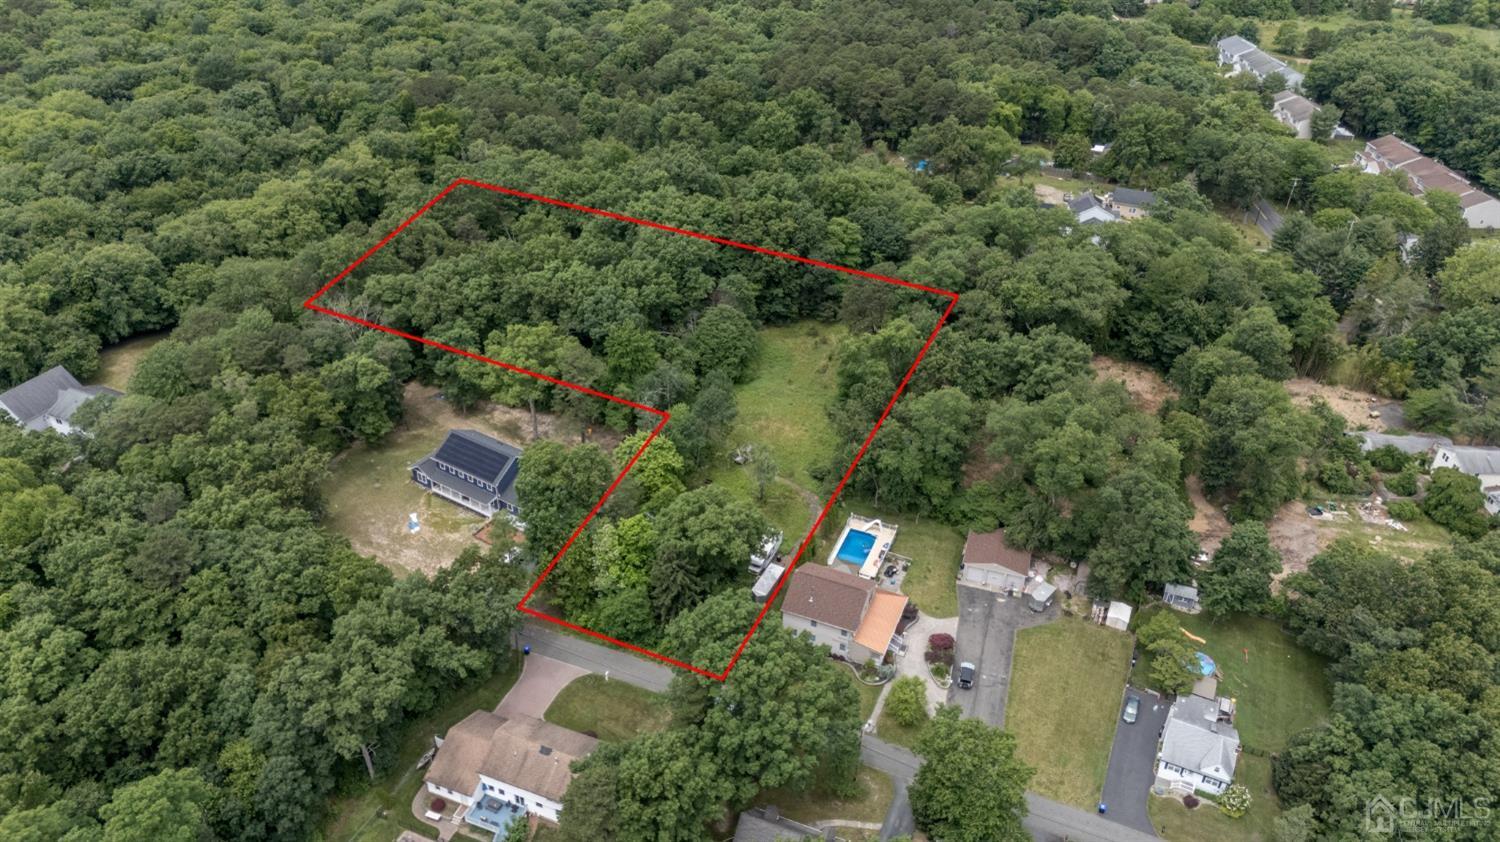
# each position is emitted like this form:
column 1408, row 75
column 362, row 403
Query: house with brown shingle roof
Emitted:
column 500, row 767
column 990, row 562
column 1383, row 154
column 849, row 614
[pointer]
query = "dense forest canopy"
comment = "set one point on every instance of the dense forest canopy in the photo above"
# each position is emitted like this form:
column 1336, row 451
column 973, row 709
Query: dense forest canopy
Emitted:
column 180, row 628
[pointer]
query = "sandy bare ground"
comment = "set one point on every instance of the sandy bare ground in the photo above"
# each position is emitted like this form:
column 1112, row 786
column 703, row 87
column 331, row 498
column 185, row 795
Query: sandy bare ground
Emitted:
column 1049, row 194
column 1209, row 522
column 1353, row 404
column 1145, row 386
column 1297, row 537
column 370, row 495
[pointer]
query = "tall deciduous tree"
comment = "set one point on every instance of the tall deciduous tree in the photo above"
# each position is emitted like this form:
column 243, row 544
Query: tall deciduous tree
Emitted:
column 1240, row 577
column 971, row 787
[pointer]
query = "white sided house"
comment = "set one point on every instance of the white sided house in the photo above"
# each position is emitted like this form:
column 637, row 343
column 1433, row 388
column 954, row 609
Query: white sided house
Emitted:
column 989, row 562
column 849, row 614
column 1383, row 154
column 1088, row 209
column 1296, row 112
column 1481, row 462
column 500, row 767
column 1198, row 748
column 48, row 400
column 473, row 470
column 1242, row 56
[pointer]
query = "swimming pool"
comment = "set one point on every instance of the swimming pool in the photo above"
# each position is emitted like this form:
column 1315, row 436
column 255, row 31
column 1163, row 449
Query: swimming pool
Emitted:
column 1205, row 664
column 856, row 547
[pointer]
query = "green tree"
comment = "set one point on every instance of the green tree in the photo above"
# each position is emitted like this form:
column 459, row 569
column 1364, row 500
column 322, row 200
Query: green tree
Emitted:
column 764, row 465
column 173, row 806
column 907, row 701
column 971, row 787
column 556, row 486
column 1455, row 500
column 704, row 539
column 725, row 341
column 1240, row 577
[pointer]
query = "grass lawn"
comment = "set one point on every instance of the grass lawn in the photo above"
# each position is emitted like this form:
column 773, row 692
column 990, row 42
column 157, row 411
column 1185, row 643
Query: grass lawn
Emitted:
column 868, row 696
column 118, row 361
column 784, row 406
column 934, row 548
column 1280, row 687
column 1066, row 682
column 1176, row 823
column 612, row 710
column 380, row 811
column 1422, row 535
column 812, row 805
column 783, row 506
column 895, row 733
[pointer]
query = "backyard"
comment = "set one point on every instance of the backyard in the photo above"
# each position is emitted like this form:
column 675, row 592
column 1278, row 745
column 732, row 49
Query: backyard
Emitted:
column 935, row 549
column 1067, row 679
column 1179, row 824
column 1279, row 687
column 613, row 711
column 369, row 493
column 118, row 361
column 378, row 812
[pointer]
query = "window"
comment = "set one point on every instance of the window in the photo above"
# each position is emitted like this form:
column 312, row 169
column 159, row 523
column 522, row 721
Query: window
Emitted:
column 844, row 632
column 813, row 623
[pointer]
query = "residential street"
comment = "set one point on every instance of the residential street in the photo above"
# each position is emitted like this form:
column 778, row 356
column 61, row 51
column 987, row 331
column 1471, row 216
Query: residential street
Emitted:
column 987, row 625
column 1128, row 782
column 1049, row 821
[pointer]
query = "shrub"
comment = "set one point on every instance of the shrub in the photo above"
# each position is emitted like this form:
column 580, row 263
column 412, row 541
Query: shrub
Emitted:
column 940, row 649
column 1404, row 510
column 1235, row 801
column 438, row 805
column 907, row 703
column 1190, row 801
column 1389, row 459
column 1404, row 483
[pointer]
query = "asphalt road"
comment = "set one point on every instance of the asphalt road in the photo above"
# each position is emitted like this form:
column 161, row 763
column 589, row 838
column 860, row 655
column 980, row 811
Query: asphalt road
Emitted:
column 1127, row 784
column 987, row 626
column 1048, row 820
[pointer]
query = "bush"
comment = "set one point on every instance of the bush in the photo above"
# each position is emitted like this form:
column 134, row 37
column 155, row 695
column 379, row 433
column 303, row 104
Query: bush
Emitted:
column 907, row 703
column 940, row 649
column 1388, row 458
column 1404, row 483
column 1235, row 801
column 438, row 805
column 1190, row 801
column 1404, row 510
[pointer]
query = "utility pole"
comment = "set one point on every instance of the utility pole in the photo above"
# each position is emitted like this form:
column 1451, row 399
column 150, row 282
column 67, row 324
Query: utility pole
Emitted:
column 369, row 761
column 1292, row 193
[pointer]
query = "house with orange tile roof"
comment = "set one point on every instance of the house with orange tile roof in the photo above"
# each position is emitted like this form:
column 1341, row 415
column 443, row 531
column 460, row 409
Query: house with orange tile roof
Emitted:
column 849, row 614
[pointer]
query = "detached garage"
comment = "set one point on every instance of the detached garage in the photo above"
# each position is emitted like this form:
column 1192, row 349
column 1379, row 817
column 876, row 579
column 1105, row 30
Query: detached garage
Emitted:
column 989, row 562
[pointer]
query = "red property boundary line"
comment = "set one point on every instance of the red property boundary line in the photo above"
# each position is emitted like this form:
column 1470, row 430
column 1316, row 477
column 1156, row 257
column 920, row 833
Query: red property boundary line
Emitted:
column 662, row 416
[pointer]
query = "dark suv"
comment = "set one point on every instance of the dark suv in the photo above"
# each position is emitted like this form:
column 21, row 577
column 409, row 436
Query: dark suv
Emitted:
column 965, row 675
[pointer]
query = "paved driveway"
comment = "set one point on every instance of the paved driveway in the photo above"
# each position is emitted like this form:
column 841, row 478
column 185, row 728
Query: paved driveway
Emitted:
column 987, row 626
column 542, row 678
column 594, row 657
column 1128, row 782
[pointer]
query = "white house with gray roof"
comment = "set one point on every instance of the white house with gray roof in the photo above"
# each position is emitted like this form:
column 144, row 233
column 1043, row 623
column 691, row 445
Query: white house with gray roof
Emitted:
column 48, row 400
column 1198, row 749
column 1242, row 56
column 1087, row 209
column 473, row 470
column 1481, row 462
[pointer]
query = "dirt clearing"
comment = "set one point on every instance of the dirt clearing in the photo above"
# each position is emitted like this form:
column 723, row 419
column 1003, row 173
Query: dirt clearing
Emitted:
column 1353, row 404
column 1145, row 386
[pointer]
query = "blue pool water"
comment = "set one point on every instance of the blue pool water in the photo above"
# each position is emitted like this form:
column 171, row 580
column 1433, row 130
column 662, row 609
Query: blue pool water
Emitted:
column 1205, row 664
column 856, row 547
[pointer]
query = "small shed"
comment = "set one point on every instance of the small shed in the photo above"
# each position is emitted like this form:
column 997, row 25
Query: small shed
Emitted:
column 1118, row 616
column 1184, row 598
column 1040, row 596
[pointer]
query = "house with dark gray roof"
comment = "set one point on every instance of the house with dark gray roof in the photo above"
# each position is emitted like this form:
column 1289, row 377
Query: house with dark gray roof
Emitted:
column 1088, row 209
column 1198, row 749
column 48, row 400
column 766, row 824
column 473, row 470
column 1128, row 203
column 1244, row 57
column 1184, row 598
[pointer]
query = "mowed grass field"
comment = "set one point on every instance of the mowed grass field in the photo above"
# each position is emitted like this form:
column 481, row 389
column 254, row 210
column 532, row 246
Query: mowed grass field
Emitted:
column 1066, row 682
column 784, row 405
column 810, row 806
column 379, row 812
column 118, row 361
column 611, row 710
column 1279, row 687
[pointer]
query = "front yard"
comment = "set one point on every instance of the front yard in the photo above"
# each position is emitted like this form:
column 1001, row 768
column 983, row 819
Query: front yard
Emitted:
column 378, row 812
column 611, row 710
column 1066, row 682
column 810, row 806
column 1176, row 823
column 1280, row 688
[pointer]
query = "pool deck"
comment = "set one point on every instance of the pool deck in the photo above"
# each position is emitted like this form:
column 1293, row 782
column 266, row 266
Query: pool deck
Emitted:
column 885, row 535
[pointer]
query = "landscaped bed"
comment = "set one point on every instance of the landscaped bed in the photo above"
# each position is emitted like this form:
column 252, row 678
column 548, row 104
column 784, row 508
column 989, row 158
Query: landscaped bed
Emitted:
column 1176, row 823
column 1067, row 679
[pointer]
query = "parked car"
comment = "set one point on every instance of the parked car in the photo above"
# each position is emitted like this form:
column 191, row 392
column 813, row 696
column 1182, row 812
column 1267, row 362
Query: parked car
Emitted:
column 965, row 675
column 1132, row 709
